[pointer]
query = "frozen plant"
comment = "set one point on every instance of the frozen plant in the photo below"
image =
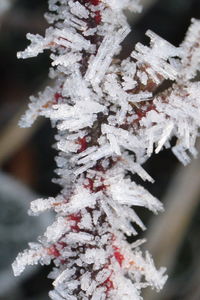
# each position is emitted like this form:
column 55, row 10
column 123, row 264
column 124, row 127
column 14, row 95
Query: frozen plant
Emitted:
column 110, row 117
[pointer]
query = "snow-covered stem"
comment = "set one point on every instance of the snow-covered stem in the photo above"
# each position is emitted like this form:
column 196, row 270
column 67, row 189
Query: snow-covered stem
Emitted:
column 110, row 116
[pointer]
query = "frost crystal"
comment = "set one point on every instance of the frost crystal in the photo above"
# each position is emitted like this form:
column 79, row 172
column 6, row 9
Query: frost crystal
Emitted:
column 110, row 118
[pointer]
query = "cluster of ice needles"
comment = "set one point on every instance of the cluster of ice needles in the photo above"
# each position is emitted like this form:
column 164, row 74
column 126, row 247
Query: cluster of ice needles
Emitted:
column 110, row 117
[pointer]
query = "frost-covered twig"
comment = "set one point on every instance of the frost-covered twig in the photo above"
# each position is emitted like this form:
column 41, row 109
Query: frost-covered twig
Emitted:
column 110, row 117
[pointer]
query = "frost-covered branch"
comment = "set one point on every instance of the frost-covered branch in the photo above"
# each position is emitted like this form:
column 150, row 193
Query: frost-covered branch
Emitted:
column 110, row 116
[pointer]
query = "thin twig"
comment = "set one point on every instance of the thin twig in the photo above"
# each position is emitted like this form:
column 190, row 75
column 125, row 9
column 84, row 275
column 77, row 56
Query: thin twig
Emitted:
column 166, row 232
column 12, row 137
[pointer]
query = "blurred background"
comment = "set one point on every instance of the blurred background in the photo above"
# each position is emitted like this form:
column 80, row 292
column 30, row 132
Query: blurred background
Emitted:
column 27, row 158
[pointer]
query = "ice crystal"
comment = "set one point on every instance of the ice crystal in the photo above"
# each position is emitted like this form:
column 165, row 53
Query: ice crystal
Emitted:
column 110, row 117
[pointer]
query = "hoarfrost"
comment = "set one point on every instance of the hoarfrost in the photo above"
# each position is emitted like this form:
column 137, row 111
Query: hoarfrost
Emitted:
column 110, row 118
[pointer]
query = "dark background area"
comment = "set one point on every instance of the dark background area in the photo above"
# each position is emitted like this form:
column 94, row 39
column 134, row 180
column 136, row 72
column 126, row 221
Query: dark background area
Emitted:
column 31, row 161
